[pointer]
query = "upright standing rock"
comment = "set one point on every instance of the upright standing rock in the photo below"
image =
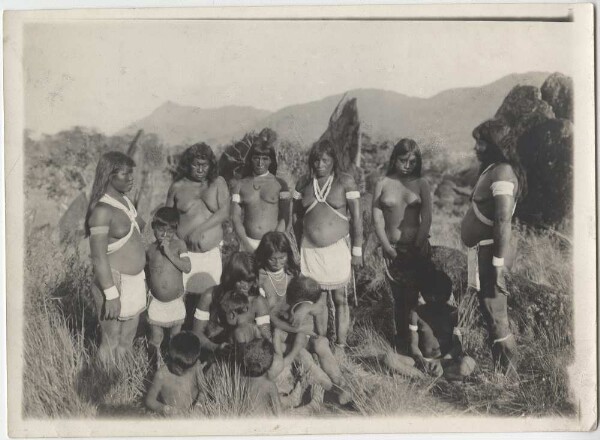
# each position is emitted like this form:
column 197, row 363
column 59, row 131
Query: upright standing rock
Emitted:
column 557, row 91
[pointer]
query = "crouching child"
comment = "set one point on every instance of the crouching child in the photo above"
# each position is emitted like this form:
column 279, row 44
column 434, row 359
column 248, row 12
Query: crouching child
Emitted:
column 435, row 339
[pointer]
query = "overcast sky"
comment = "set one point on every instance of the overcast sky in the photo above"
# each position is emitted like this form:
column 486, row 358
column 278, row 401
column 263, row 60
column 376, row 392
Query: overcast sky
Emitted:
column 107, row 74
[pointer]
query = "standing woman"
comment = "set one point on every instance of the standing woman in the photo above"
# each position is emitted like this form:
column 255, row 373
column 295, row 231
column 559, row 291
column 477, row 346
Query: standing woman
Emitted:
column 486, row 230
column 402, row 216
column 118, row 254
column 202, row 198
column 260, row 200
column 327, row 202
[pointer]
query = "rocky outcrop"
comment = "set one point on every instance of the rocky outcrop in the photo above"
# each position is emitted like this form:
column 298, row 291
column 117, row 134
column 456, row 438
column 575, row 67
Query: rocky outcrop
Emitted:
column 546, row 152
column 557, row 91
column 523, row 108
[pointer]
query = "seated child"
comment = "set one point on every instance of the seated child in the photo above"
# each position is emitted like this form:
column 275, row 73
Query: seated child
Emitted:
column 167, row 261
column 177, row 384
column 236, row 312
column 435, row 344
column 257, row 359
column 303, row 296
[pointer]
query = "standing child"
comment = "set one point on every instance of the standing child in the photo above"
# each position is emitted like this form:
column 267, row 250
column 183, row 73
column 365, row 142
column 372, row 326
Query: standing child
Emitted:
column 435, row 337
column 167, row 260
column 177, row 384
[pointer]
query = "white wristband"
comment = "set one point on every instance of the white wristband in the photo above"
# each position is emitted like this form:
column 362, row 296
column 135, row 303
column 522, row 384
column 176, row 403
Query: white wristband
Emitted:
column 356, row 251
column 497, row 262
column 111, row 293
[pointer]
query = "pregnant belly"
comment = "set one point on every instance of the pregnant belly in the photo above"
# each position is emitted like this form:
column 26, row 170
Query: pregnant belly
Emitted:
column 472, row 231
column 131, row 258
column 195, row 240
column 324, row 228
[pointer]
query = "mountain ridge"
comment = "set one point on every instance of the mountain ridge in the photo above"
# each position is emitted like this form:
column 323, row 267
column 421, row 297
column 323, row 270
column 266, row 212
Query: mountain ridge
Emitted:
column 444, row 119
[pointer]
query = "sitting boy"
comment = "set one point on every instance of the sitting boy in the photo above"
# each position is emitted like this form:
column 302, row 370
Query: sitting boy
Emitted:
column 235, row 309
column 257, row 359
column 177, row 385
column 304, row 306
column 435, row 338
column 167, row 261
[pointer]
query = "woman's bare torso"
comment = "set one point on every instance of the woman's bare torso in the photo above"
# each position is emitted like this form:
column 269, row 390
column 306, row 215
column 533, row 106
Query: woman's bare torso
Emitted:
column 260, row 200
column 166, row 281
column 196, row 203
column 275, row 298
column 401, row 206
column 472, row 230
column 321, row 225
column 131, row 258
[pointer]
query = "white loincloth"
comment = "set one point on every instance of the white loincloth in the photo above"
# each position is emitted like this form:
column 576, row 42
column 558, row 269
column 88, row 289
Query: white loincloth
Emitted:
column 132, row 293
column 253, row 243
column 473, row 264
column 206, row 270
column 330, row 266
column 166, row 314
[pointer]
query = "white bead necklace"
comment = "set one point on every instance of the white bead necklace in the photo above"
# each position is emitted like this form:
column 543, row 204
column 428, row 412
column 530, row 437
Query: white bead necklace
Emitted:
column 273, row 278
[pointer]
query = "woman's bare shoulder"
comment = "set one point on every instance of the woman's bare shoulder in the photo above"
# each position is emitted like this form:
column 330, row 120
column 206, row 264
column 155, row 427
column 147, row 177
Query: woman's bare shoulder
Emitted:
column 503, row 171
column 101, row 215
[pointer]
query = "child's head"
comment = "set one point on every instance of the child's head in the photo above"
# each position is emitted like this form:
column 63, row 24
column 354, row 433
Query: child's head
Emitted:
column 437, row 288
column 257, row 357
column 233, row 305
column 240, row 273
column 184, row 351
column 164, row 223
column 275, row 253
column 303, row 288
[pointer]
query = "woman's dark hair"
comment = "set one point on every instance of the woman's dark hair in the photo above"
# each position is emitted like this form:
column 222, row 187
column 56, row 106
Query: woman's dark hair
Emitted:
column 303, row 288
column 257, row 357
column 109, row 164
column 318, row 150
column 261, row 149
column 272, row 242
column 184, row 351
column 240, row 267
column 498, row 136
column 405, row 146
column 197, row 151
column 166, row 216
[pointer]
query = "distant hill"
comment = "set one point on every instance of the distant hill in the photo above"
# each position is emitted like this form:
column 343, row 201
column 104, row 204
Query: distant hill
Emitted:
column 179, row 125
column 444, row 120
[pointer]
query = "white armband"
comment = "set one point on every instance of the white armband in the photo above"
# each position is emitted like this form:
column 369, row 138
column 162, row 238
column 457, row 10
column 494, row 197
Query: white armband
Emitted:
column 98, row 230
column 235, row 198
column 262, row 292
column 502, row 188
column 284, row 195
column 413, row 328
column 351, row 195
column 296, row 195
column 201, row 315
column 111, row 293
column 262, row 320
column 356, row 251
column 184, row 255
column 456, row 331
column 497, row 262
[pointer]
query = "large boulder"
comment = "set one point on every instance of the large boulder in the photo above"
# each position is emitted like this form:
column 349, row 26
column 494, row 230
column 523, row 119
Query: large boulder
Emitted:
column 524, row 108
column 557, row 91
column 546, row 153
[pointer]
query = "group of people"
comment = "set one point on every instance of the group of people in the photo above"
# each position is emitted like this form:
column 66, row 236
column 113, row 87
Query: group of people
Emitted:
column 268, row 306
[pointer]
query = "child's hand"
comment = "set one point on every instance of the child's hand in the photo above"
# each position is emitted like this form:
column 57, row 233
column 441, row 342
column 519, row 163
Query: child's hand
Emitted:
column 390, row 252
